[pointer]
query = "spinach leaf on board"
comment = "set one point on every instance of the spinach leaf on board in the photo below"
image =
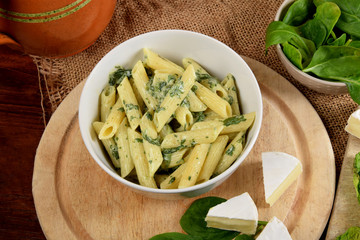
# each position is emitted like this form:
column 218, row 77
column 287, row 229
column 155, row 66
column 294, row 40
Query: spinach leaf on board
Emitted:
column 339, row 63
column 349, row 20
column 193, row 221
column 319, row 28
column 299, row 12
column 175, row 236
column 352, row 233
column 356, row 178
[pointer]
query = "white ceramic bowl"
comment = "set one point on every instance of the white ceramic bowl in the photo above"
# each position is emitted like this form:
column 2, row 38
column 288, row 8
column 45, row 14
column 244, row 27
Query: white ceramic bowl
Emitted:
column 213, row 55
column 316, row 84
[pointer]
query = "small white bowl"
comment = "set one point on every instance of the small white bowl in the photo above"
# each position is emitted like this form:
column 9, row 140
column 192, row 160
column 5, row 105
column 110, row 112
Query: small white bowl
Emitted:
column 316, row 84
column 213, row 55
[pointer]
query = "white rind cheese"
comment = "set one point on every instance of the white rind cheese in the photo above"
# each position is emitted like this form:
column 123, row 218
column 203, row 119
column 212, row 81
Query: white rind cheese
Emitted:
column 280, row 170
column 353, row 124
column 236, row 214
column 274, row 230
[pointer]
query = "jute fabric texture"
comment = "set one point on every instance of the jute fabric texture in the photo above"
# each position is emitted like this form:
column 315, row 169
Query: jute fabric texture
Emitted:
column 240, row 24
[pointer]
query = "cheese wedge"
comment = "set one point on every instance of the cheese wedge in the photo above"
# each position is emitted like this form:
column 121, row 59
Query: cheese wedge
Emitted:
column 274, row 230
column 353, row 124
column 280, row 170
column 236, row 214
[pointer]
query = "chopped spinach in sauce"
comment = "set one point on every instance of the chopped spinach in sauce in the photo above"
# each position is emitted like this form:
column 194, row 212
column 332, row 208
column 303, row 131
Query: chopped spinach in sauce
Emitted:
column 116, row 77
column 230, row 150
column 234, row 120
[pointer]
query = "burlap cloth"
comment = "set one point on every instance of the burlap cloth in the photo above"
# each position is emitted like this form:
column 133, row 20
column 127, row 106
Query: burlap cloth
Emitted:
column 240, row 24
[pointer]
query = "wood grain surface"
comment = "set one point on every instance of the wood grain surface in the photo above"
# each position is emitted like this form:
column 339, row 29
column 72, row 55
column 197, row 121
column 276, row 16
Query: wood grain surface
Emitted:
column 76, row 199
column 21, row 127
column 346, row 211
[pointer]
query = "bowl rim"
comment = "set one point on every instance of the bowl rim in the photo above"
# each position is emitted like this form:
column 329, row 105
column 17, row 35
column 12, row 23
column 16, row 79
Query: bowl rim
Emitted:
column 279, row 51
column 212, row 182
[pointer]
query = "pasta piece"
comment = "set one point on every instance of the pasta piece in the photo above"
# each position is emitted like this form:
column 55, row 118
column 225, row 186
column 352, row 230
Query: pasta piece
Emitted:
column 122, row 141
column 194, row 165
column 233, row 124
column 196, row 105
column 211, row 115
column 141, row 80
column 213, row 101
column 107, row 99
column 154, row 61
column 184, row 118
column 174, row 159
column 151, row 143
column 159, row 178
column 173, row 98
column 137, row 95
column 231, row 135
column 206, row 79
column 190, row 138
column 172, row 181
column 232, row 152
column 229, row 85
column 215, row 153
column 113, row 121
column 109, row 144
column 139, row 159
column 130, row 103
column 165, row 131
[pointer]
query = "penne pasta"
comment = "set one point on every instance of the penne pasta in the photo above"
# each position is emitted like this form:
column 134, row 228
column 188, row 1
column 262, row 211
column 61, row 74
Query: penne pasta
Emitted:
column 122, row 141
column 130, row 104
column 154, row 61
column 229, row 85
column 109, row 144
column 139, row 159
column 190, row 138
column 173, row 98
column 172, row 181
column 174, row 159
column 151, row 143
column 165, row 131
column 215, row 153
column 232, row 152
column 193, row 165
column 137, row 94
column 196, row 105
column 107, row 100
column 141, row 81
column 213, row 101
column 113, row 121
column 233, row 124
column 184, row 118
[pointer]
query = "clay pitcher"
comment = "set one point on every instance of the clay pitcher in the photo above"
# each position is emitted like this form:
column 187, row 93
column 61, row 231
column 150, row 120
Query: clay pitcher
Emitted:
column 53, row 28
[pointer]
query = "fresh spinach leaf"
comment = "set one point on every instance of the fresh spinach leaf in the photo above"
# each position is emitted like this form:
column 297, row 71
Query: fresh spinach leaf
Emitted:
column 193, row 221
column 175, row 236
column 340, row 41
column 245, row 237
column 339, row 63
column 352, row 233
column 355, row 44
column 293, row 54
column 299, row 12
column 319, row 28
column 349, row 20
column 357, row 175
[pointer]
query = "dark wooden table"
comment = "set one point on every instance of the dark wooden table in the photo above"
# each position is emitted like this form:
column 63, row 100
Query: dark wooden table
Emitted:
column 21, row 127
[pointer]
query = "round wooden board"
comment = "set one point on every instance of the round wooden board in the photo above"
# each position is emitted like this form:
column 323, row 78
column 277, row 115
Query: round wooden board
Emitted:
column 76, row 199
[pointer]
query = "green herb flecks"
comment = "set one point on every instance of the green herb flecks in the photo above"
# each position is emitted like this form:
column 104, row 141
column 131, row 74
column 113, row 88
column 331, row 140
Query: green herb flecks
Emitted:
column 139, row 140
column 177, row 89
column 116, row 77
column 149, row 116
column 234, row 120
column 151, row 140
column 198, row 116
column 130, row 106
column 230, row 150
column 172, row 180
column 114, row 151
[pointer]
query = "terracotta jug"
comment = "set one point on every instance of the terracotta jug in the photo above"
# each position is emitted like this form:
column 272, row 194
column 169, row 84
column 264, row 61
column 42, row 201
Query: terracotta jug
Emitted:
column 53, row 28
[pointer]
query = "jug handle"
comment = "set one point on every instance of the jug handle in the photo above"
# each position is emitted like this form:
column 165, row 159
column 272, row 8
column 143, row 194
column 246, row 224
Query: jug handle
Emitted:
column 11, row 43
